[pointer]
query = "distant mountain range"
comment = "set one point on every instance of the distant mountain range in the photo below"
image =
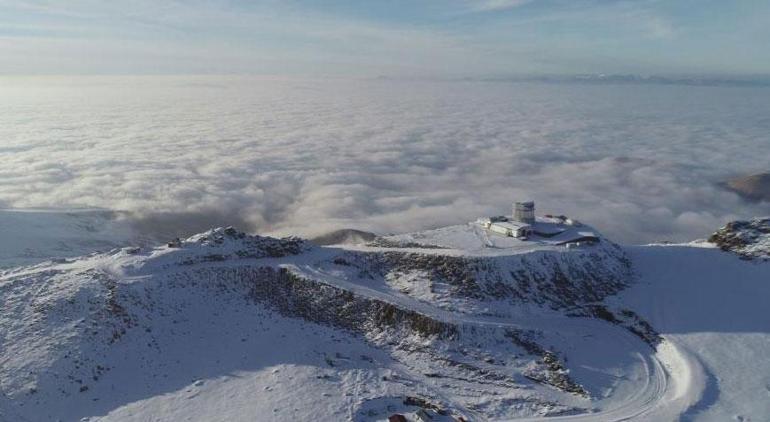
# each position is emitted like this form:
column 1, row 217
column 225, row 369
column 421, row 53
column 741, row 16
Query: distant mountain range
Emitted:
column 629, row 79
column 644, row 79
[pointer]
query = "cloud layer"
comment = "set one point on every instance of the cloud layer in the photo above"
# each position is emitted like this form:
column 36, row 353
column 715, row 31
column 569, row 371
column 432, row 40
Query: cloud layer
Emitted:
column 305, row 156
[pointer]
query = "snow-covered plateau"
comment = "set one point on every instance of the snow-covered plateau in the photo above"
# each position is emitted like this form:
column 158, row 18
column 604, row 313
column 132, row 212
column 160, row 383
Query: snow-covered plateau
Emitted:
column 448, row 324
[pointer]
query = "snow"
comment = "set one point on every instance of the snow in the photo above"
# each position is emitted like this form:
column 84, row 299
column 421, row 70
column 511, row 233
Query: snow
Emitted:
column 474, row 240
column 713, row 305
column 164, row 334
column 30, row 236
column 197, row 355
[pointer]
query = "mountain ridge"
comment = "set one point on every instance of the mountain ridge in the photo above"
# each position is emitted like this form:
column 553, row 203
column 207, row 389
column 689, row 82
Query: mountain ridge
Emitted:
column 458, row 335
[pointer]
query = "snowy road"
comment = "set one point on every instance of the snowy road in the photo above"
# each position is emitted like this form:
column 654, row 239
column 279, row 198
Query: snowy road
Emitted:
column 667, row 389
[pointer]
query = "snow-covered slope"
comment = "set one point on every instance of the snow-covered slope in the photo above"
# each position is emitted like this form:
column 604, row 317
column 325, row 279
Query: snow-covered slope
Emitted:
column 714, row 307
column 29, row 236
column 225, row 326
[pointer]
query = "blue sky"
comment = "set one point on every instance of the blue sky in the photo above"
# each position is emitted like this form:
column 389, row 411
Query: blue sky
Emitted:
column 386, row 37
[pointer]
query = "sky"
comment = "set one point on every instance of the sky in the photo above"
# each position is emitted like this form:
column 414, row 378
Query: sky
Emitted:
column 402, row 38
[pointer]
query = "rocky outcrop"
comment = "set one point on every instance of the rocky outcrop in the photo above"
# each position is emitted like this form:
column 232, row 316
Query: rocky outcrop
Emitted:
column 222, row 244
column 749, row 239
column 555, row 279
column 383, row 242
column 296, row 296
column 625, row 318
column 556, row 374
column 315, row 301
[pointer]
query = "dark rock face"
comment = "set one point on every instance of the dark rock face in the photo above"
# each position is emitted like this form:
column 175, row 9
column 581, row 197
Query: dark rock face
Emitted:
column 560, row 281
column 556, row 375
column 223, row 244
column 749, row 239
column 382, row 242
column 321, row 303
column 755, row 187
column 576, row 283
column 556, row 280
column 314, row 301
column 624, row 317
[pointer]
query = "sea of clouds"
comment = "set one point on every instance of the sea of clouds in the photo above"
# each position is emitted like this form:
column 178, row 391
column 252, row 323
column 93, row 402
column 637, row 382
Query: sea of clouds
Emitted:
column 300, row 156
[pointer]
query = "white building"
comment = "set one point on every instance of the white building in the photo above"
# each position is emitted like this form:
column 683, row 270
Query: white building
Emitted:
column 520, row 225
column 510, row 228
column 515, row 229
column 549, row 229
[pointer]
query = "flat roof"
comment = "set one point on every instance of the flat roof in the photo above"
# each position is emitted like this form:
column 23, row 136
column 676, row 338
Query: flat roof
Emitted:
column 510, row 224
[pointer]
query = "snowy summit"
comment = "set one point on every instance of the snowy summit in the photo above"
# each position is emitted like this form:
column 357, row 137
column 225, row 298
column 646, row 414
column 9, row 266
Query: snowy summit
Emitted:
column 457, row 323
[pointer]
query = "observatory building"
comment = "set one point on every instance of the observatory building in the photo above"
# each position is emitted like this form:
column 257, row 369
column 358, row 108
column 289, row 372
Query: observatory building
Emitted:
column 519, row 226
column 524, row 212
column 546, row 229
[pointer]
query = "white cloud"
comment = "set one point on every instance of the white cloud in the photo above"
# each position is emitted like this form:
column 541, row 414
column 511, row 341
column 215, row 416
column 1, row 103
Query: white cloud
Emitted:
column 304, row 156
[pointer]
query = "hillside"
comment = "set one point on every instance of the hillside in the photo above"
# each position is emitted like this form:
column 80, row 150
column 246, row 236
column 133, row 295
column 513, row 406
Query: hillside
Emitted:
column 711, row 305
column 227, row 326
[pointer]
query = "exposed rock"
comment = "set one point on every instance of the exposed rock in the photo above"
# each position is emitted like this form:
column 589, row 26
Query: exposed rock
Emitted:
column 382, row 242
column 749, row 239
column 321, row 303
column 625, row 318
column 556, row 375
column 296, row 296
column 424, row 404
column 549, row 278
column 222, row 244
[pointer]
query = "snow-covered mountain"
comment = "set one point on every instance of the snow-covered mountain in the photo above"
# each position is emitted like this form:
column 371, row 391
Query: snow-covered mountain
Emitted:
column 452, row 322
